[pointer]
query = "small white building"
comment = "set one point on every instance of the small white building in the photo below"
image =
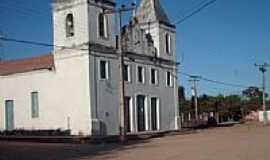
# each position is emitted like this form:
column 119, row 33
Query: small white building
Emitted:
column 76, row 86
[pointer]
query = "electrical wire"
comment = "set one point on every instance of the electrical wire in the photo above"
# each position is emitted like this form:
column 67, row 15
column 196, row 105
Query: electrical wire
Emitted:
column 30, row 13
column 189, row 10
column 203, row 5
column 194, row 12
column 215, row 81
column 37, row 43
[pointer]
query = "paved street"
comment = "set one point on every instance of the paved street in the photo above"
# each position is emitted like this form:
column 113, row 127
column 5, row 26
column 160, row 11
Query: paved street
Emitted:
column 241, row 142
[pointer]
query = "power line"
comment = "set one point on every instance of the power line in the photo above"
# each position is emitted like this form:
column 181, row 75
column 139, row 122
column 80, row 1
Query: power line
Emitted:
column 37, row 9
column 29, row 42
column 1, row 47
column 24, row 9
column 195, row 12
column 30, row 13
column 36, row 43
column 215, row 81
column 225, row 83
column 191, row 9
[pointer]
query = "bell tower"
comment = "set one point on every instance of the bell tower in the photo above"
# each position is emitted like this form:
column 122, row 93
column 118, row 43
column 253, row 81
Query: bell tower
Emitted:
column 76, row 23
column 70, row 23
column 154, row 20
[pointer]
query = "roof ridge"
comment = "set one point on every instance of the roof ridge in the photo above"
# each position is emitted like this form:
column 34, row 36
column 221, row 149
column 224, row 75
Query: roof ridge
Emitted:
column 40, row 62
column 160, row 12
column 28, row 58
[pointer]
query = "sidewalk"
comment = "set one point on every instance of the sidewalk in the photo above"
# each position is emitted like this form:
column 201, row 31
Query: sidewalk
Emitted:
column 94, row 140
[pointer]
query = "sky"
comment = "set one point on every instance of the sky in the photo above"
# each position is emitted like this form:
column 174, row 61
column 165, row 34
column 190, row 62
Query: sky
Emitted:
column 222, row 42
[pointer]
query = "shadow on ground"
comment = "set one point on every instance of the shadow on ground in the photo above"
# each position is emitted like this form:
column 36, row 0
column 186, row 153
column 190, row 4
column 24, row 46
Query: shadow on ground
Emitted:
column 43, row 151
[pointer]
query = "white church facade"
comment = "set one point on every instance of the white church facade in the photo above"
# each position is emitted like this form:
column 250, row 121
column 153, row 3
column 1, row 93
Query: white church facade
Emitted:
column 76, row 87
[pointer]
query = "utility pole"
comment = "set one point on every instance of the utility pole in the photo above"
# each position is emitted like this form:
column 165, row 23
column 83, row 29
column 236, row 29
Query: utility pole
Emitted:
column 121, row 109
column 194, row 80
column 263, row 69
column 1, row 45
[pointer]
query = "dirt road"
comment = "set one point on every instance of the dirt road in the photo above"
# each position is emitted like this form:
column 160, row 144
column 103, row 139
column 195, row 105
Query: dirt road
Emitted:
column 241, row 142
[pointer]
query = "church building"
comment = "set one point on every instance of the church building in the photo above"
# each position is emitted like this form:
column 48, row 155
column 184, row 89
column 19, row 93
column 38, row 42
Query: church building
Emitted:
column 76, row 86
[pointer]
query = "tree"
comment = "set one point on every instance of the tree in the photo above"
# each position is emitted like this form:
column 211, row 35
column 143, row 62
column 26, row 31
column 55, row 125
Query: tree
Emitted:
column 181, row 93
column 252, row 99
column 233, row 104
column 229, row 106
column 252, row 92
column 207, row 103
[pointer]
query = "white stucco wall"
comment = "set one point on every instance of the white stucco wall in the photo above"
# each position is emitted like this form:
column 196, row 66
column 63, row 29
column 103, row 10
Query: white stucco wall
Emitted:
column 158, row 32
column 79, row 10
column 93, row 13
column 63, row 95
column 261, row 116
column 73, row 90
column 105, row 93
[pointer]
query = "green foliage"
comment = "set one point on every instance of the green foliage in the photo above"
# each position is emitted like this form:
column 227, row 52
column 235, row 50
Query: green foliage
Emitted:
column 252, row 92
column 226, row 106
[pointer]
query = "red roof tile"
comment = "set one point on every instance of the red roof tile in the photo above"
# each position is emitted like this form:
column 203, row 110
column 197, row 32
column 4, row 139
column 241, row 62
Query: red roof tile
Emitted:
column 27, row 64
